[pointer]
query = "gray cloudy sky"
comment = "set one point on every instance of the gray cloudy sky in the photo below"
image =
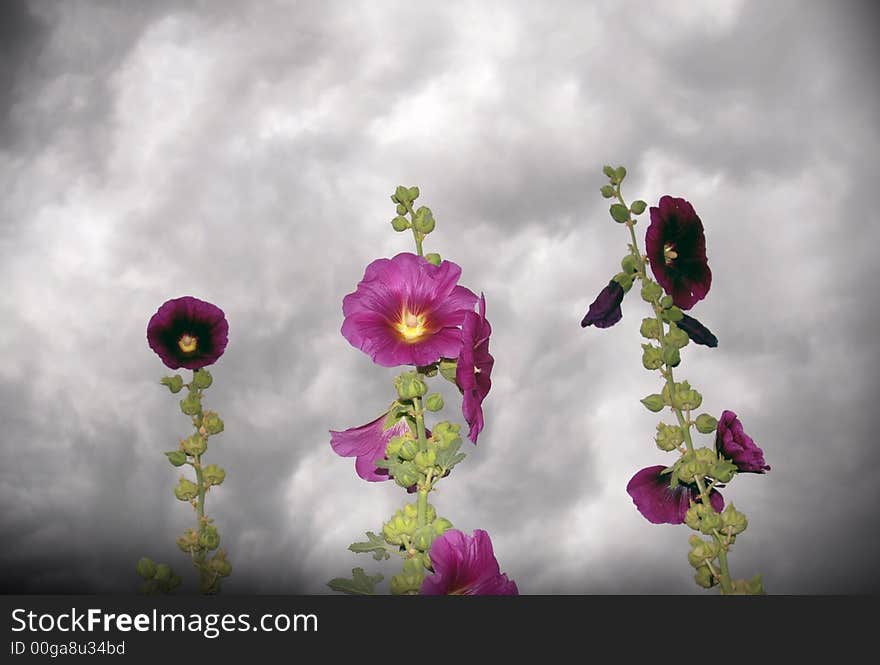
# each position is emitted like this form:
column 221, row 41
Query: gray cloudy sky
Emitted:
column 244, row 153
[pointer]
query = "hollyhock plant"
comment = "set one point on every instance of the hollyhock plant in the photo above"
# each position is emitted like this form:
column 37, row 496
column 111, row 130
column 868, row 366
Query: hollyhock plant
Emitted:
column 696, row 331
column 407, row 311
column 188, row 332
column 367, row 444
column 474, row 370
column 676, row 249
column 605, row 310
column 466, row 566
column 686, row 491
column 191, row 333
column 732, row 442
column 410, row 310
column 660, row 503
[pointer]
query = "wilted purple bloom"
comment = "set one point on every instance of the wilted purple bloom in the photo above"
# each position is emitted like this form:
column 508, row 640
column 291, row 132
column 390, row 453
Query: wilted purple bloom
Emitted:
column 466, row 566
column 661, row 504
column 698, row 333
column 605, row 310
column 367, row 443
column 676, row 248
column 406, row 311
column 188, row 332
column 732, row 442
column 473, row 373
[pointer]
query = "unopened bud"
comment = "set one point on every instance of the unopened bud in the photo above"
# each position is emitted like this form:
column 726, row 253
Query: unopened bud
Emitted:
column 174, row 383
column 202, row 379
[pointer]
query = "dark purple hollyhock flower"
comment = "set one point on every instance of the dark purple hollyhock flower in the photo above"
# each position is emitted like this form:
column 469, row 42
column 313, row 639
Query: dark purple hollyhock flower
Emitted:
column 605, row 311
column 661, row 504
column 698, row 333
column 676, row 248
column 466, row 566
column 737, row 446
column 367, row 443
column 474, row 369
column 188, row 332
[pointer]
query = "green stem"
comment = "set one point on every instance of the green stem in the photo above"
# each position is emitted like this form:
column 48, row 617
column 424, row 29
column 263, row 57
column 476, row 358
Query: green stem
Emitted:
column 684, row 423
column 419, row 412
column 418, row 236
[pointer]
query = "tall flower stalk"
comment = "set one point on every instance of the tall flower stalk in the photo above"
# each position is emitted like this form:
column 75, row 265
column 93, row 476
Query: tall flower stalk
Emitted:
column 191, row 334
column 685, row 492
column 410, row 311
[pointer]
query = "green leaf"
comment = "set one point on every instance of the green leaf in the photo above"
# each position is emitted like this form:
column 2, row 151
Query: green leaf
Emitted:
column 619, row 212
column 374, row 545
column 448, row 458
column 360, row 583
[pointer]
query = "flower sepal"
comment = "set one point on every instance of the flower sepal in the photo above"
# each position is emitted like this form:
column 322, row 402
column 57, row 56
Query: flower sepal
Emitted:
column 174, row 383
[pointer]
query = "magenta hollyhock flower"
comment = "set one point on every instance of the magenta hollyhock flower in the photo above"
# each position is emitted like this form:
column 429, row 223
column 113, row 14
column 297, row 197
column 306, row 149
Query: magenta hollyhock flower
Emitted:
column 605, row 310
column 188, row 332
column 474, row 369
column 661, row 504
column 466, row 566
column 407, row 311
column 698, row 333
column 676, row 248
column 367, row 443
column 732, row 442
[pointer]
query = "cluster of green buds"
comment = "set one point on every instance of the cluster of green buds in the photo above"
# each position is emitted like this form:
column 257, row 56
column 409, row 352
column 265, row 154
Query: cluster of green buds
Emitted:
column 198, row 543
column 413, row 542
column 420, row 220
column 157, row 578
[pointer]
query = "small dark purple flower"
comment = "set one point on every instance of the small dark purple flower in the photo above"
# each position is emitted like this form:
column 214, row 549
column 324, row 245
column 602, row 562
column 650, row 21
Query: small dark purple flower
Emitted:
column 661, row 504
column 732, row 442
column 698, row 333
column 605, row 311
column 466, row 566
column 188, row 332
column 367, row 443
column 474, row 369
column 676, row 248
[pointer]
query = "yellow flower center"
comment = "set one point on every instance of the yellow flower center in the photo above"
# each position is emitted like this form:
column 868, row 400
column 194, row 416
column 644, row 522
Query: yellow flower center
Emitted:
column 411, row 326
column 669, row 253
column 188, row 343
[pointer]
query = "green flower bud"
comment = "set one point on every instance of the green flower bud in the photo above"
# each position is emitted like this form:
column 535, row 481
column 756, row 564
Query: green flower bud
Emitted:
column 406, row 475
column 425, row 459
column 212, row 423
column 652, row 357
column 619, row 213
column 672, row 314
column 422, row 538
column 441, row 525
column 202, row 379
column 208, row 537
column 755, row 586
column 189, row 541
column 169, row 585
column 163, row 572
column 434, row 402
column 685, row 397
column 706, row 424
column 630, row 264
column 625, row 280
column 191, row 404
column 733, row 522
column 401, row 210
column 413, row 193
column 433, row 258
column 195, row 445
column 666, row 302
column 638, row 207
column 146, row 568
column 704, row 577
column 406, row 584
column 392, row 450
column 186, row 490
column 445, row 434
column 692, row 516
column 409, row 448
column 220, row 565
column 650, row 329
column 702, row 551
column 410, row 385
column 607, row 191
column 174, row 383
column 399, row 223
column 609, row 171
column 723, row 471
column 620, row 173
column 176, row 457
column 213, row 475
column 653, row 403
column 401, row 194
column 710, row 521
column 409, row 510
column 448, row 368
column 676, row 337
column 651, row 291
column 671, row 356
column 423, row 221
column 669, row 437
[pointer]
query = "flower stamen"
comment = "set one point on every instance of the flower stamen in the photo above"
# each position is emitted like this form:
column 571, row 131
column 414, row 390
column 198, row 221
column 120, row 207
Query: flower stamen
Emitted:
column 411, row 326
column 669, row 253
column 188, row 343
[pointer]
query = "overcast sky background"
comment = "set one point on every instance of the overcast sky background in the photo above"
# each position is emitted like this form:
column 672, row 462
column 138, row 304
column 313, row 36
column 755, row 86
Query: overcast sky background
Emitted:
column 244, row 153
